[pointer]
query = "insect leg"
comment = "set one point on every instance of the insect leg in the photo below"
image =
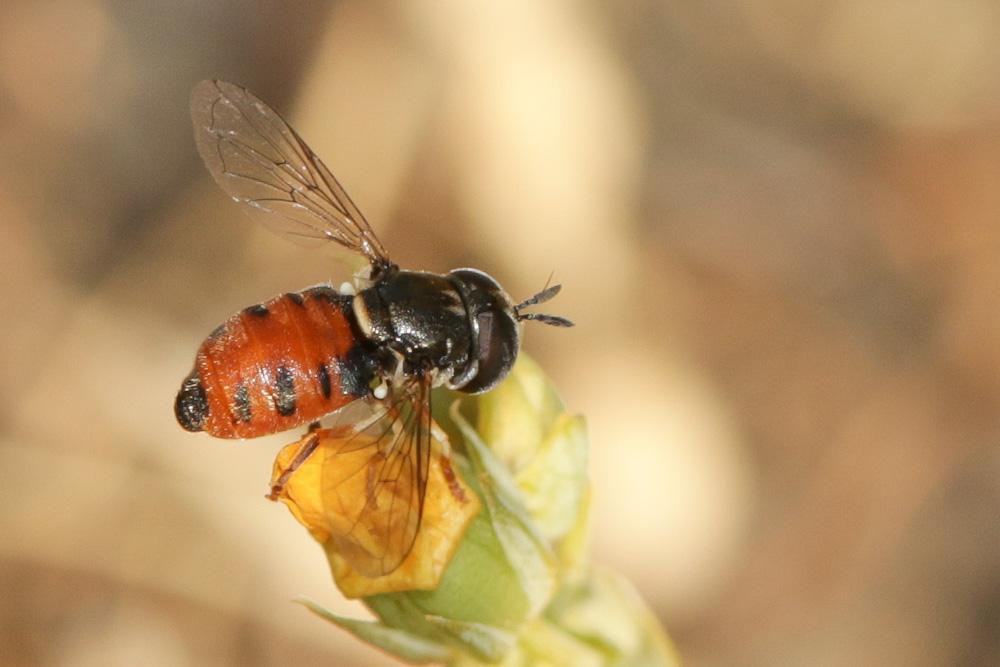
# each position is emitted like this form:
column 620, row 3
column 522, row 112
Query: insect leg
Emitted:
column 449, row 476
column 308, row 446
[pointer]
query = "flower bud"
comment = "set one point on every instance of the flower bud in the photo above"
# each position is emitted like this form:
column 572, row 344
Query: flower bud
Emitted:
column 498, row 570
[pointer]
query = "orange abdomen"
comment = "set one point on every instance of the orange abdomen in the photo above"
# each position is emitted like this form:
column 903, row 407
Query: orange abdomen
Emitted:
column 277, row 365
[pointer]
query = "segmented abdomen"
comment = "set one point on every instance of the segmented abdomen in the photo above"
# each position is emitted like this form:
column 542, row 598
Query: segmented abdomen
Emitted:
column 277, row 365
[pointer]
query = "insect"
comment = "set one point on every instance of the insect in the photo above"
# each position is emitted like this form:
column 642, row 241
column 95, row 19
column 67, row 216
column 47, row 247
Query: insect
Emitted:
column 385, row 341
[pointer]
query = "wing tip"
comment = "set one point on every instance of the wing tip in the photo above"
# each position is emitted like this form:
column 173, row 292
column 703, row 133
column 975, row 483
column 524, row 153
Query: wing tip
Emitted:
column 205, row 88
column 207, row 91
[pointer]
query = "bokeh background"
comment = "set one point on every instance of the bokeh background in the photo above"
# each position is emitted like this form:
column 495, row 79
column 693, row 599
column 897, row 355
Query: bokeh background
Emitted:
column 777, row 227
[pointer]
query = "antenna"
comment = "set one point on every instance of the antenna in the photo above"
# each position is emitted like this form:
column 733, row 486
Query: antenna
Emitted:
column 543, row 296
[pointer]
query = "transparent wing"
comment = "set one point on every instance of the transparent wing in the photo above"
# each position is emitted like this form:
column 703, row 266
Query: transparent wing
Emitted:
column 375, row 481
column 262, row 163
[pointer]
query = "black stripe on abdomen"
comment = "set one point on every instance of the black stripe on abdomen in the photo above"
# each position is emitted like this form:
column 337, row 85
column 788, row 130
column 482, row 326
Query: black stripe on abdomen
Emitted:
column 323, row 373
column 284, row 391
column 241, row 402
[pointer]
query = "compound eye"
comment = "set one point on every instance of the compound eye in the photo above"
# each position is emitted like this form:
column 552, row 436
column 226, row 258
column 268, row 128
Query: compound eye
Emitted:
column 499, row 341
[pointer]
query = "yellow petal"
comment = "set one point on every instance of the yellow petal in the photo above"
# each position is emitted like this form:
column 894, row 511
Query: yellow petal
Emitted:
column 330, row 511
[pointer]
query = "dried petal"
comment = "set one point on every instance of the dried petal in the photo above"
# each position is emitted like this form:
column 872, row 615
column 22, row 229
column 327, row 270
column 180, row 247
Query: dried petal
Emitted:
column 326, row 511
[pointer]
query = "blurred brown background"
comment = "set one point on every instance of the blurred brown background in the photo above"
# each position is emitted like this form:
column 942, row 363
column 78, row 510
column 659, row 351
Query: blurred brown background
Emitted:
column 777, row 225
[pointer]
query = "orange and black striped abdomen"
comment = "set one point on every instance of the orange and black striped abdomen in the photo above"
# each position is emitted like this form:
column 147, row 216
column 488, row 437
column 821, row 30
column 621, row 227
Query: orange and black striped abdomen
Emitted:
column 277, row 365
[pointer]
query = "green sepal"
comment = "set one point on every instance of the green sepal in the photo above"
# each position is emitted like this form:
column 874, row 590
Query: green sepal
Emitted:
column 480, row 585
column 554, row 483
column 511, row 522
column 485, row 642
column 604, row 610
column 515, row 416
column 404, row 645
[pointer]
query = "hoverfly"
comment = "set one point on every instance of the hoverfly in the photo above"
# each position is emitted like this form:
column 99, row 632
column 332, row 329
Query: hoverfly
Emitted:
column 386, row 342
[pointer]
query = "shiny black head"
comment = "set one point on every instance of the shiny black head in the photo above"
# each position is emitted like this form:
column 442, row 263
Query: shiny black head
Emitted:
column 496, row 335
